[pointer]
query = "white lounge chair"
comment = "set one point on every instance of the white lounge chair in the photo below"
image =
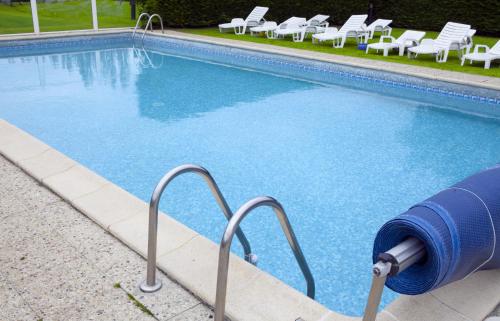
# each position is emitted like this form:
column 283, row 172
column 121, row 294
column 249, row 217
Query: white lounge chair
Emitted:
column 487, row 56
column 450, row 38
column 408, row 39
column 316, row 24
column 255, row 18
column 379, row 25
column 353, row 27
column 467, row 43
column 284, row 28
column 268, row 27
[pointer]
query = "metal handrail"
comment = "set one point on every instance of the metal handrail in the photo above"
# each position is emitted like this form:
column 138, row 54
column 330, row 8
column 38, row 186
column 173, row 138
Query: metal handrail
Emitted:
column 141, row 53
column 150, row 24
column 151, row 284
column 225, row 246
column 138, row 21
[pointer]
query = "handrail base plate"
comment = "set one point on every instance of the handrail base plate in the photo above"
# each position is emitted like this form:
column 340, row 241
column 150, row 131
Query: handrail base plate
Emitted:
column 144, row 287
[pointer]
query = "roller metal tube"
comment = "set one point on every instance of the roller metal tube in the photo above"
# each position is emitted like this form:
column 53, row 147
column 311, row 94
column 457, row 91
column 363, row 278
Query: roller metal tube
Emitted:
column 390, row 263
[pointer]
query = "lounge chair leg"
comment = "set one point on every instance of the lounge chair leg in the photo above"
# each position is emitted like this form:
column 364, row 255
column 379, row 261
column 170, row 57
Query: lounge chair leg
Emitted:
column 445, row 56
column 487, row 64
column 386, row 52
column 340, row 44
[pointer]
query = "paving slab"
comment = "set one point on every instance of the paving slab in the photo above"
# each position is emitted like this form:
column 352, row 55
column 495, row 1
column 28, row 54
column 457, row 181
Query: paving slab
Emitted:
column 57, row 264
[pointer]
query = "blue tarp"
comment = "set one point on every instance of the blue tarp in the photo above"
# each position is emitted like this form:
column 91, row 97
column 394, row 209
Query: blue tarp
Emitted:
column 460, row 227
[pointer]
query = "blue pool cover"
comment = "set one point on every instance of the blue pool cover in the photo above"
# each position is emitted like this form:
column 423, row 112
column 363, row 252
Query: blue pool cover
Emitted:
column 457, row 227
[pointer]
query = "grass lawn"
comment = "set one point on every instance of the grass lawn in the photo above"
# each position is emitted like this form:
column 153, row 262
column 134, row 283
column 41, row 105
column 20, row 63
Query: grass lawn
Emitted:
column 350, row 49
column 67, row 15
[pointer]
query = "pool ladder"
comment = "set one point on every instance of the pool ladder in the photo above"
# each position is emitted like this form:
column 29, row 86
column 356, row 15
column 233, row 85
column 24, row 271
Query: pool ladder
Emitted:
column 152, row 284
column 149, row 24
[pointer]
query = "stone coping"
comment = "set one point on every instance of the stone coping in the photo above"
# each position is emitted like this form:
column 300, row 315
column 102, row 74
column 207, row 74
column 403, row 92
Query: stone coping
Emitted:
column 191, row 259
column 397, row 68
column 410, row 70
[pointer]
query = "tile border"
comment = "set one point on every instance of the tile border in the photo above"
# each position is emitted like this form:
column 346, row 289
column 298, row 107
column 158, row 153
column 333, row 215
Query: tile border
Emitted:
column 396, row 68
column 391, row 67
column 475, row 100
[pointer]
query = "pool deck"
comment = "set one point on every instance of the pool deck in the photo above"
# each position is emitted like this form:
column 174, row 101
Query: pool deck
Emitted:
column 56, row 264
column 185, row 256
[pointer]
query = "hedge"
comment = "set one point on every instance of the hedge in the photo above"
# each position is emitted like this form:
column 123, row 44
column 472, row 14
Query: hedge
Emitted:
column 484, row 15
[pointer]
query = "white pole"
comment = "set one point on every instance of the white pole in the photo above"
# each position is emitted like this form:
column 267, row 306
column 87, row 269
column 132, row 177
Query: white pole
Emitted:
column 94, row 15
column 34, row 15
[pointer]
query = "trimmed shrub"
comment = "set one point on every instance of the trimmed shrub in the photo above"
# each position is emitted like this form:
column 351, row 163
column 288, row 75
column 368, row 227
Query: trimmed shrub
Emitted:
column 483, row 15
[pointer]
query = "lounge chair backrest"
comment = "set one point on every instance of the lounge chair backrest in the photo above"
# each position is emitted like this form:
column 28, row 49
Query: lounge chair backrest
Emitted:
column 317, row 20
column 354, row 23
column 495, row 50
column 292, row 22
column 410, row 35
column 452, row 32
column 257, row 14
column 382, row 23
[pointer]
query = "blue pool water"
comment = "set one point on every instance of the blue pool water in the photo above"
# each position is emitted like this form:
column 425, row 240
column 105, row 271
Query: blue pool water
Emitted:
column 341, row 159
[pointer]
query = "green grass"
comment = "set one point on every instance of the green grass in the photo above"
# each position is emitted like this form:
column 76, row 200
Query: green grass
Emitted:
column 136, row 302
column 67, row 15
column 139, row 305
column 350, row 49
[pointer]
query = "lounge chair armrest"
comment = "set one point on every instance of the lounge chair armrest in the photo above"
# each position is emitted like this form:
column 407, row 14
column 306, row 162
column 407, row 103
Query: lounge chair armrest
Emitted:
column 411, row 42
column 324, row 24
column 383, row 38
column 331, row 29
column 457, row 43
column 427, row 41
column 237, row 21
column 478, row 47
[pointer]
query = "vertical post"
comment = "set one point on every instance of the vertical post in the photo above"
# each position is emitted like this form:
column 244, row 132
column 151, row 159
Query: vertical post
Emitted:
column 34, row 15
column 371, row 309
column 132, row 10
column 95, row 24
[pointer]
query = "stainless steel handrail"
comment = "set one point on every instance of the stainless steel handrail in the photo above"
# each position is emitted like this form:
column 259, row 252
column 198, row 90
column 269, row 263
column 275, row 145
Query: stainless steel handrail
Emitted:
column 138, row 21
column 151, row 284
column 225, row 246
column 150, row 24
column 142, row 54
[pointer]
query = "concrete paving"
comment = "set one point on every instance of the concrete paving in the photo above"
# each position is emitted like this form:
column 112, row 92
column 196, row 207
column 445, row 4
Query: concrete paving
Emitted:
column 56, row 264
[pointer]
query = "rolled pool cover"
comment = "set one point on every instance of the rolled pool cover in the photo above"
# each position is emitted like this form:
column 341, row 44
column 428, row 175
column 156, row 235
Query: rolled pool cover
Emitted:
column 460, row 228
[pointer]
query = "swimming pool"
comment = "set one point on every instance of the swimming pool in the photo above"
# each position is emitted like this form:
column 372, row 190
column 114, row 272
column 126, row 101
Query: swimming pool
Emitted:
column 342, row 149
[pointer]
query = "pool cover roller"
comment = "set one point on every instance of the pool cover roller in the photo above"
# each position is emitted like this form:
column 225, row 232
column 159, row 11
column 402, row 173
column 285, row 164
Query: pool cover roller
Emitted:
column 460, row 228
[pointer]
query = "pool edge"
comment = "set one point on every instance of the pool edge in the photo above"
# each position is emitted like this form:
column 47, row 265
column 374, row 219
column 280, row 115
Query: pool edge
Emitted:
column 250, row 289
column 454, row 77
column 395, row 68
